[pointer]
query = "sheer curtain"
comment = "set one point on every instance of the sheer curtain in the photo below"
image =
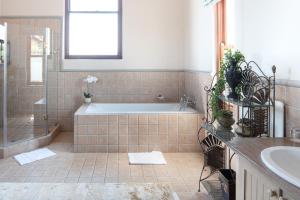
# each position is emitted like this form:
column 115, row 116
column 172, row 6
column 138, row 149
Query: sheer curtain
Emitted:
column 209, row 2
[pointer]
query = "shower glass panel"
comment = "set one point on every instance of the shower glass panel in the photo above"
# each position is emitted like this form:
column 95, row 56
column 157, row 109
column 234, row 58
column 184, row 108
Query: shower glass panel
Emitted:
column 25, row 79
column 3, row 35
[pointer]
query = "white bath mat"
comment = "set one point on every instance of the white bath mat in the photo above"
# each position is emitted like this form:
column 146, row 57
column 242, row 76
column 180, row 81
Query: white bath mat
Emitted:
column 150, row 158
column 32, row 156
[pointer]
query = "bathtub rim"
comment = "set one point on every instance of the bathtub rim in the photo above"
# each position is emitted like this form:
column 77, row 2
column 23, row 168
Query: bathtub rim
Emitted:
column 82, row 110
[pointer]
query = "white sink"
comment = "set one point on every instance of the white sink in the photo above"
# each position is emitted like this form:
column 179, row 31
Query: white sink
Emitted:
column 283, row 161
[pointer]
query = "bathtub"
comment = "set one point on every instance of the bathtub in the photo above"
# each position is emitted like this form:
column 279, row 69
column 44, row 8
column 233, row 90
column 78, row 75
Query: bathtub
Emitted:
column 98, row 109
column 122, row 128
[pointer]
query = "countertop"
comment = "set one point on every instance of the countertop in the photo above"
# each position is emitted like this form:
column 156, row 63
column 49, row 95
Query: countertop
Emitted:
column 251, row 148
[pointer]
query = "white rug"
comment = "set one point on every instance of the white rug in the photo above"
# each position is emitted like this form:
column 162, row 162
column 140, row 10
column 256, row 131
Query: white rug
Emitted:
column 82, row 191
column 29, row 157
column 151, row 158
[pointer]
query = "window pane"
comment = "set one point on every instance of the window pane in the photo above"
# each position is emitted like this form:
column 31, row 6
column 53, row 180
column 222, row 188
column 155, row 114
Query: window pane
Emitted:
column 93, row 34
column 37, row 45
column 94, row 5
column 36, row 69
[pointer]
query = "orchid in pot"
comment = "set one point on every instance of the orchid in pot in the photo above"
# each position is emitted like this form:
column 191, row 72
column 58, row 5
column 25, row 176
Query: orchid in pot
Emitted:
column 89, row 80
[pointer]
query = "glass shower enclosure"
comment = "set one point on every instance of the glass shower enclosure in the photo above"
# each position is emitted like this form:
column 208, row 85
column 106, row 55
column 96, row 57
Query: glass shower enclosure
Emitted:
column 25, row 54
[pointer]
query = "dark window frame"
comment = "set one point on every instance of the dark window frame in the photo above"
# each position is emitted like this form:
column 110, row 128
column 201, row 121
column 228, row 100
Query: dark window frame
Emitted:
column 120, row 35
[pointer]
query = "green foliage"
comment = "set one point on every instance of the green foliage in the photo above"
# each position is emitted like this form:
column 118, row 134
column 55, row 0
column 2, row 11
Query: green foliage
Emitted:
column 87, row 95
column 231, row 58
column 217, row 90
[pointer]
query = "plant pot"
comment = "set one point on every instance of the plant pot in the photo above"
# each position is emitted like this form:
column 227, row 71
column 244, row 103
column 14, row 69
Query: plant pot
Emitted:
column 226, row 122
column 88, row 100
column 233, row 78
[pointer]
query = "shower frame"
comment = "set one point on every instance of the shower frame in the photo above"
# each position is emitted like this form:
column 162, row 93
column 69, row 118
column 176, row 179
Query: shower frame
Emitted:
column 5, row 142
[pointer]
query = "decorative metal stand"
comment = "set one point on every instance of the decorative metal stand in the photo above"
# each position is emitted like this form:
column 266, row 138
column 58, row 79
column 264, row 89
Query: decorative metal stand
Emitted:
column 254, row 109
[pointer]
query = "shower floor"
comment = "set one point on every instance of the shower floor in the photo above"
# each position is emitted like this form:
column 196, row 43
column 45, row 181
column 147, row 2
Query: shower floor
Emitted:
column 21, row 128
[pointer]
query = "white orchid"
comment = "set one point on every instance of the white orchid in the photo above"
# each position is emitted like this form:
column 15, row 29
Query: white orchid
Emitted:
column 90, row 79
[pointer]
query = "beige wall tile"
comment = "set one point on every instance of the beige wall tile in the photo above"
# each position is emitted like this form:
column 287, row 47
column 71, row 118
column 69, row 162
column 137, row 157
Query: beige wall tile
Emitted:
column 113, row 149
column 123, row 129
column 133, row 119
column 163, row 128
column 153, row 119
column 163, row 119
column 123, row 139
column 102, row 140
column 103, row 129
column 92, row 129
column 187, row 139
column 133, row 130
column 133, row 148
column 143, row 129
column 82, row 129
column 153, row 129
column 143, row 148
column 102, row 119
column 154, row 139
column 92, row 139
column 123, row 119
column 143, row 119
column 113, row 119
column 113, row 129
column 113, row 140
column 163, row 139
column 123, row 149
column 143, row 139
column 133, row 139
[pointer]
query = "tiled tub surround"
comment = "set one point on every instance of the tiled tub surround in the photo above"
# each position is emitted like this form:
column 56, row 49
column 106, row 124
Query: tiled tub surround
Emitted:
column 136, row 132
column 194, row 84
column 115, row 87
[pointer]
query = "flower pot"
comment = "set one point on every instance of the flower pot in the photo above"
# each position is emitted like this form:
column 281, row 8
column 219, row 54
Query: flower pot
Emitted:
column 88, row 100
column 233, row 78
column 226, row 122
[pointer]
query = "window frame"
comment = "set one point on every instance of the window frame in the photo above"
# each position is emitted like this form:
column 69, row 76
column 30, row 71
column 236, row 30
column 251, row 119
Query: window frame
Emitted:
column 29, row 56
column 119, row 55
column 221, row 31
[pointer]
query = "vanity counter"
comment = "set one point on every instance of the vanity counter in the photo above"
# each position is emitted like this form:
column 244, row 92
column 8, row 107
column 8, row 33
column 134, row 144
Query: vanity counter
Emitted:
column 251, row 148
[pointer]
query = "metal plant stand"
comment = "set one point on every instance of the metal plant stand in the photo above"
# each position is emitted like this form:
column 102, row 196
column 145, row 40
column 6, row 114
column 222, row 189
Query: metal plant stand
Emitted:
column 253, row 114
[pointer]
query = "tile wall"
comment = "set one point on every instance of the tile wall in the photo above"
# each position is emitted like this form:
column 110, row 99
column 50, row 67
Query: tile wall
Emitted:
column 136, row 133
column 115, row 87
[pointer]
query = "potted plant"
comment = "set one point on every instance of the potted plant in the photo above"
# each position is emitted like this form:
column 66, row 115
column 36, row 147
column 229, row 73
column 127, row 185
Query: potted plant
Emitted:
column 87, row 95
column 233, row 72
column 223, row 118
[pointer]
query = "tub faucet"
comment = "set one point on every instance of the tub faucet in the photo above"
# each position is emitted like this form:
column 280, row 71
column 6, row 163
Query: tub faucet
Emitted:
column 186, row 101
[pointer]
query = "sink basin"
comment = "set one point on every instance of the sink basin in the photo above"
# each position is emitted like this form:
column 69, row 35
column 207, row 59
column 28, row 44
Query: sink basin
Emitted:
column 283, row 161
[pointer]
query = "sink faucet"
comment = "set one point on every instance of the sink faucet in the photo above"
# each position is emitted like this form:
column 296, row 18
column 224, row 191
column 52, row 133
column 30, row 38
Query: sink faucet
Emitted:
column 186, row 101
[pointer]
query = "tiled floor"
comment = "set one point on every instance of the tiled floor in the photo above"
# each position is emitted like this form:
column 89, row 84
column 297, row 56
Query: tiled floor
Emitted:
column 181, row 173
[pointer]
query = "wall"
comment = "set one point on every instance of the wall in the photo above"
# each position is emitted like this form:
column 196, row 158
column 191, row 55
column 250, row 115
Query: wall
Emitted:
column 199, row 37
column 267, row 32
column 199, row 50
column 152, row 34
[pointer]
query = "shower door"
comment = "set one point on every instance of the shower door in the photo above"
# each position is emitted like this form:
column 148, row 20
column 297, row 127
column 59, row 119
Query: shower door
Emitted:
column 3, row 63
column 24, row 82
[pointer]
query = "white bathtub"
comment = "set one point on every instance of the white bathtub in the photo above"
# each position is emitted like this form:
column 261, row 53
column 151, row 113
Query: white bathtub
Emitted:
column 134, row 108
column 122, row 128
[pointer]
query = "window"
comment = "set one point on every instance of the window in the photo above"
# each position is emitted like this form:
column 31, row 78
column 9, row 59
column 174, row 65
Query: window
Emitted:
column 93, row 29
column 36, row 60
column 221, row 30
